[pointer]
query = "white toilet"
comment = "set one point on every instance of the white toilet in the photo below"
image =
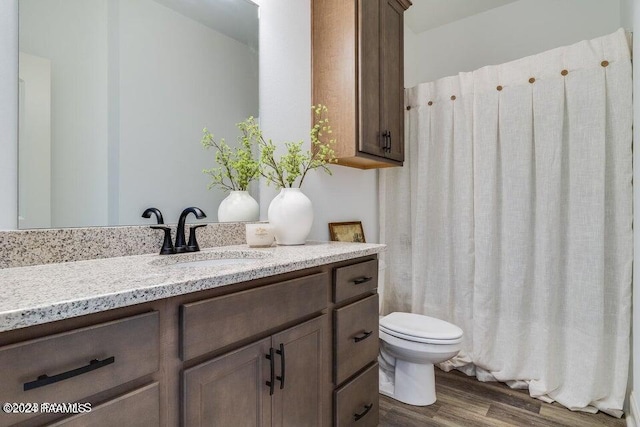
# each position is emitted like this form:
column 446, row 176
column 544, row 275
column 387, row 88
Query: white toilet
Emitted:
column 410, row 344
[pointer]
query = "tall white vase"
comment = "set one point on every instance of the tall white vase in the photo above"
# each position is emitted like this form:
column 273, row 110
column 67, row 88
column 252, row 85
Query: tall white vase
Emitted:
column 238, row 206
column 291, row 214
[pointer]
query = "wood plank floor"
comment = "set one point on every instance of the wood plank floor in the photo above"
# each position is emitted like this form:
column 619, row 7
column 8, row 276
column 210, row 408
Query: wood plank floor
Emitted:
column 465, row 401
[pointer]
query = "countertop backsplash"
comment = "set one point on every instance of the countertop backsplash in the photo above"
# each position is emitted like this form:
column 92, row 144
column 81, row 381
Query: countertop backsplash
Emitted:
column 23, row 248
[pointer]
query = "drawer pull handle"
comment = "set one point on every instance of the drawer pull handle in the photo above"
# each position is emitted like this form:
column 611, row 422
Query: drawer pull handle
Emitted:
column 46, row 380
column 272, row 382
column 282, row 366
column 364, row 336
column 361, row 280
column 367, row 408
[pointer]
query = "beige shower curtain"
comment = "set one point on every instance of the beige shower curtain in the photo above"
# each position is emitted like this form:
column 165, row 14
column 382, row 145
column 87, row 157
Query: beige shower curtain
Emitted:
column 512, row 219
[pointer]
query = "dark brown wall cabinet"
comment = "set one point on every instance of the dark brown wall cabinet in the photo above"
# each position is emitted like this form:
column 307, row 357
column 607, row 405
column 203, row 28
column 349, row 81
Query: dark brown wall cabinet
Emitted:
column 358, row 73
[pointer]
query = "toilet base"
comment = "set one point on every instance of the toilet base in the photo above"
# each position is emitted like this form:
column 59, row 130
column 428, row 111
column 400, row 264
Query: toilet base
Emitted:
column 414, row 384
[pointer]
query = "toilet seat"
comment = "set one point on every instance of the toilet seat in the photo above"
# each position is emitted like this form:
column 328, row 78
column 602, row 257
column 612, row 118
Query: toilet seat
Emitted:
column 419, row 328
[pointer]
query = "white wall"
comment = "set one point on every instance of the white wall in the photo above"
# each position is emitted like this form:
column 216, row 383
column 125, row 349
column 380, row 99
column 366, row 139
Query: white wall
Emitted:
column 626, row 14
column 34, row 168
column 285, row 115
column 8, row 115
column 77, row 49
column 207, row 79
column 509, row 32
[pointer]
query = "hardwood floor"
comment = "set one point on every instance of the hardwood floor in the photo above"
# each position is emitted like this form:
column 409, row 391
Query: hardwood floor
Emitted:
column 465, row 401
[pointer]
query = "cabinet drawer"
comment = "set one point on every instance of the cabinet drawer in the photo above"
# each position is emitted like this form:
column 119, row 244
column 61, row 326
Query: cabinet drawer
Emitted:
column 124, row 349
column 354, row 280
column 356, row 402
column 140, row 408
column 218, row 322
column 356, row 337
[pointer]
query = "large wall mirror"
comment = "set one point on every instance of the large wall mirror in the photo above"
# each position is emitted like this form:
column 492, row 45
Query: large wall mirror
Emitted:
column 114, row 95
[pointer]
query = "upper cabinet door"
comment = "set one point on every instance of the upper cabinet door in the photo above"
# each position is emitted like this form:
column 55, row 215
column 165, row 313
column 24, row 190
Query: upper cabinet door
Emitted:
column 392, row 92
column 358, row 73
column 369, row 77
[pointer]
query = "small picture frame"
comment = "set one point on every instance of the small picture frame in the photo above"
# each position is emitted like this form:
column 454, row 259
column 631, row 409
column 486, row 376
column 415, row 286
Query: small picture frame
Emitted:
column 346, row 232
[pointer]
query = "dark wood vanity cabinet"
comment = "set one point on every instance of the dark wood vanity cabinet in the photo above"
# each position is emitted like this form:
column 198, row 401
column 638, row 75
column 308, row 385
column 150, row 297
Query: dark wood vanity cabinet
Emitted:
column 296, row 349
column 106, row 367
column 279, row 380
column 138, row 408
column 276, row 381
column 229, row 390
column 358, row 73
column 355, row 344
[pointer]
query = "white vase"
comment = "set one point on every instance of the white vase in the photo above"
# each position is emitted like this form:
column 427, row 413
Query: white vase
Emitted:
column 238, row 206
column 291, row 214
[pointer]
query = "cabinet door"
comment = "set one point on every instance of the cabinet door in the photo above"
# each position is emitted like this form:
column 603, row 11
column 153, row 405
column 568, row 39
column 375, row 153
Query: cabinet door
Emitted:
column 369, row 77
column 230, row 390
column 392, row 65
column 301, row 354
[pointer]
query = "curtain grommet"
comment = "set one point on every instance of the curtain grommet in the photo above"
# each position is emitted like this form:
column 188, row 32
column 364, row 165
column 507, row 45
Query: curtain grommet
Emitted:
column 605, row 63
column 453, row 97
column 430, row 103
column 499, row 88
column 564, row 72
column 532, row 80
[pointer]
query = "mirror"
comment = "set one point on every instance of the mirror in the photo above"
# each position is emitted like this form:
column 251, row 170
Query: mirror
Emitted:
column 114, row 95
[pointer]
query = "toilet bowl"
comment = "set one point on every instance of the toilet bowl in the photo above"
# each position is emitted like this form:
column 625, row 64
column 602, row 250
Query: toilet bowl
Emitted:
column 410, row 344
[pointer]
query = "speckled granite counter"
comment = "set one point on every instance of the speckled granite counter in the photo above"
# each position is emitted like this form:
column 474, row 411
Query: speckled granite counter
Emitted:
column 46, row 293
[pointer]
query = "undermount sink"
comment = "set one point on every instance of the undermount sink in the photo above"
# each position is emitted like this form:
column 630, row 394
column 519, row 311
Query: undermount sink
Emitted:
column 211, row 258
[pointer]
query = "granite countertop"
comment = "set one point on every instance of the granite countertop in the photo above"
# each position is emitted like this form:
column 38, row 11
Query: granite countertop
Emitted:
column 46, row 293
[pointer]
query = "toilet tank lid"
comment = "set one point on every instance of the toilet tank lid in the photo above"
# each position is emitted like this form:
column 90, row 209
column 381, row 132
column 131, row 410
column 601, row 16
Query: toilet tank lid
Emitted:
column 418, row 325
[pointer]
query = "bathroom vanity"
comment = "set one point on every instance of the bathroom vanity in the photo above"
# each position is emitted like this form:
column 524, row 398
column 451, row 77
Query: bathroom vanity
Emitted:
column 227, row 336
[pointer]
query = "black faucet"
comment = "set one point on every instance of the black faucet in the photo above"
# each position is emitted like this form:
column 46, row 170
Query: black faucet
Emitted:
column 167, row 245
column 147, row 214
column 181, row 245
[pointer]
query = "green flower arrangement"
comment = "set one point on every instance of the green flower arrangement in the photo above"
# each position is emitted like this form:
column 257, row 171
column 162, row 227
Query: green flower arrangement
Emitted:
column 236, row 167
column 292, row 167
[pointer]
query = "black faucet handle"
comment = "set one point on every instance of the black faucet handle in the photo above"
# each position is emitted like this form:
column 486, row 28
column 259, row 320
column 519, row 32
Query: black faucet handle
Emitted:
column 155, row 211
column 167, row 245
column 192, row 246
